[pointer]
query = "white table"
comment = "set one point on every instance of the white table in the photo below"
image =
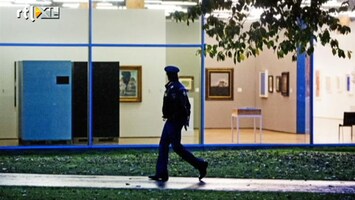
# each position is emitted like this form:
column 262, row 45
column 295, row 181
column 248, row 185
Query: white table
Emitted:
column 254, row 113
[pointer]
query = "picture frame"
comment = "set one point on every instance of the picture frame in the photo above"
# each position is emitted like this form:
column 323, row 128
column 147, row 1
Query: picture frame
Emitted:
column 263, row 84
column 318, row 84
column 328, row 84
column 130, row 83
column 271, row 83
column 277, row 83
column 219, row 83
column 188, row 82
column 285, row 83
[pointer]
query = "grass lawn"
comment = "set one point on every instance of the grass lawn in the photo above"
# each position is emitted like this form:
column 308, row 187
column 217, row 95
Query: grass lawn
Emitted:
column 29, row 193
column 293, row 163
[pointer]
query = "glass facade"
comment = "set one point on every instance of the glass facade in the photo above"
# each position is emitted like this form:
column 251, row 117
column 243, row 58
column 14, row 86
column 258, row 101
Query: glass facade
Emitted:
column 61, row 83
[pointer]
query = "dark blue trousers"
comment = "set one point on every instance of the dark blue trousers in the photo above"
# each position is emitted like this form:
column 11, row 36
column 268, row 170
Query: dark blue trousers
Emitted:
column 172, row 135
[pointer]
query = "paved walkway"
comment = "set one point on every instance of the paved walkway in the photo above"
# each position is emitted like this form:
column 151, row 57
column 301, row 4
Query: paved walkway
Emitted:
column 142, row 182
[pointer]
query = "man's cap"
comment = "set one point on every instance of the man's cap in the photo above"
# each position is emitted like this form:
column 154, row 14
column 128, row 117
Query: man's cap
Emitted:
column 171, row 69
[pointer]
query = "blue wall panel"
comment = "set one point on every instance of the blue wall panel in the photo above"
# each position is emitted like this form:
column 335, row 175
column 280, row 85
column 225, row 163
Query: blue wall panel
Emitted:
column 46, row 100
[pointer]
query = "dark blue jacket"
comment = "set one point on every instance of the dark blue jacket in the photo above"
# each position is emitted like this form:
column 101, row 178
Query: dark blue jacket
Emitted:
column 176, row 105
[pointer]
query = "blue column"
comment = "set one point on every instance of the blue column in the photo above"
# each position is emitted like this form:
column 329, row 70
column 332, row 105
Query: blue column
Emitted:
column 301, row 93
column 90, row 80
column 203, row 63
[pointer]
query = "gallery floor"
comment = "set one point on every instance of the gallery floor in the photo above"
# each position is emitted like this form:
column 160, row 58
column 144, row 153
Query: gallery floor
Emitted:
column 212, row 136
column 326, row 131
column 224, row 136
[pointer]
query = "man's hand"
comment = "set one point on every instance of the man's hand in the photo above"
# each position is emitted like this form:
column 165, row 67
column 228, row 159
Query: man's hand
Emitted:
column 187, row 123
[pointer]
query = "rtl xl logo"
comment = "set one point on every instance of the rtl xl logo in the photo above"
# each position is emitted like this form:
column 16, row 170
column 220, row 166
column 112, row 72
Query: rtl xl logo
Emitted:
column 34, row 12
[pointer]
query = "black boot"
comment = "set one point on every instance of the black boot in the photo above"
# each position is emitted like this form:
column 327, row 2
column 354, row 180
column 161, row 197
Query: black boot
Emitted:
column 159, row 178
column 203, row 170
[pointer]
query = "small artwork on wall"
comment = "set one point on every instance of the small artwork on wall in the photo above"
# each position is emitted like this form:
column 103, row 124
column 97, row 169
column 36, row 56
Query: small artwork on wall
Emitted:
column 130, row 83
column 219, row 83
column 263, row 84
column 188, row 82
column 271, row 83
column 285, row 83
column 348, row 83
column 318, row 85
column 278, row 83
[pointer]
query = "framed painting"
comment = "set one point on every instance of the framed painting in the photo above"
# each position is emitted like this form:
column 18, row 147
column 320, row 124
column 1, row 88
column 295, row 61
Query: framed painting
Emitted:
column 188, row 82
column 263, row 84
column 271, row 83
column 130, row 83
column 328, row 84
column 285, row 83
column 219, row 83
column 277, row 83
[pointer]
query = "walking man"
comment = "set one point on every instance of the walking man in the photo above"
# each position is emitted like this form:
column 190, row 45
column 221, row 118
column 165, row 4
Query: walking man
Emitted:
column 176, row 112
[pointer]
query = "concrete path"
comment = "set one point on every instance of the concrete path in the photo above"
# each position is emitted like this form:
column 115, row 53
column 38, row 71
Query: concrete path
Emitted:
column 178, row 183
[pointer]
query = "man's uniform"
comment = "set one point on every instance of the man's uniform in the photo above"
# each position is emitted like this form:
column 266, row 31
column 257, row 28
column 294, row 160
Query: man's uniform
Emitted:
column 176, row 111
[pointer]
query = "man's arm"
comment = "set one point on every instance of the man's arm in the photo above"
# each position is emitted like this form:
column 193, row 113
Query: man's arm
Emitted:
column 185, row 106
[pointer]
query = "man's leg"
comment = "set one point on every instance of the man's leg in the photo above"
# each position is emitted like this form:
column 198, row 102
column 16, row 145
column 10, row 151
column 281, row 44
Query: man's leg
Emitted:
column 198, row 163
column 162, row 161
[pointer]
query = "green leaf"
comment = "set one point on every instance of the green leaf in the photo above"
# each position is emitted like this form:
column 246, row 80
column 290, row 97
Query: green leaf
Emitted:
column 280, row 20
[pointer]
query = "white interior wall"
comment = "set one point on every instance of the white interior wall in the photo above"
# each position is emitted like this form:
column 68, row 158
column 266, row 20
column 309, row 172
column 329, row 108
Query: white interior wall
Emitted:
column 187, row 59
column 140, row 119
column 218, row 113
column 72, row 27
column 279, row 112
column 333, row 100
column 134, row 26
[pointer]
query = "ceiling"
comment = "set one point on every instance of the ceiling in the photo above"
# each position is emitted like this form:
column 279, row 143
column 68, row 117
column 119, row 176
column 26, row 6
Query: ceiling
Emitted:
column 167, row 5
column 104, row 4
